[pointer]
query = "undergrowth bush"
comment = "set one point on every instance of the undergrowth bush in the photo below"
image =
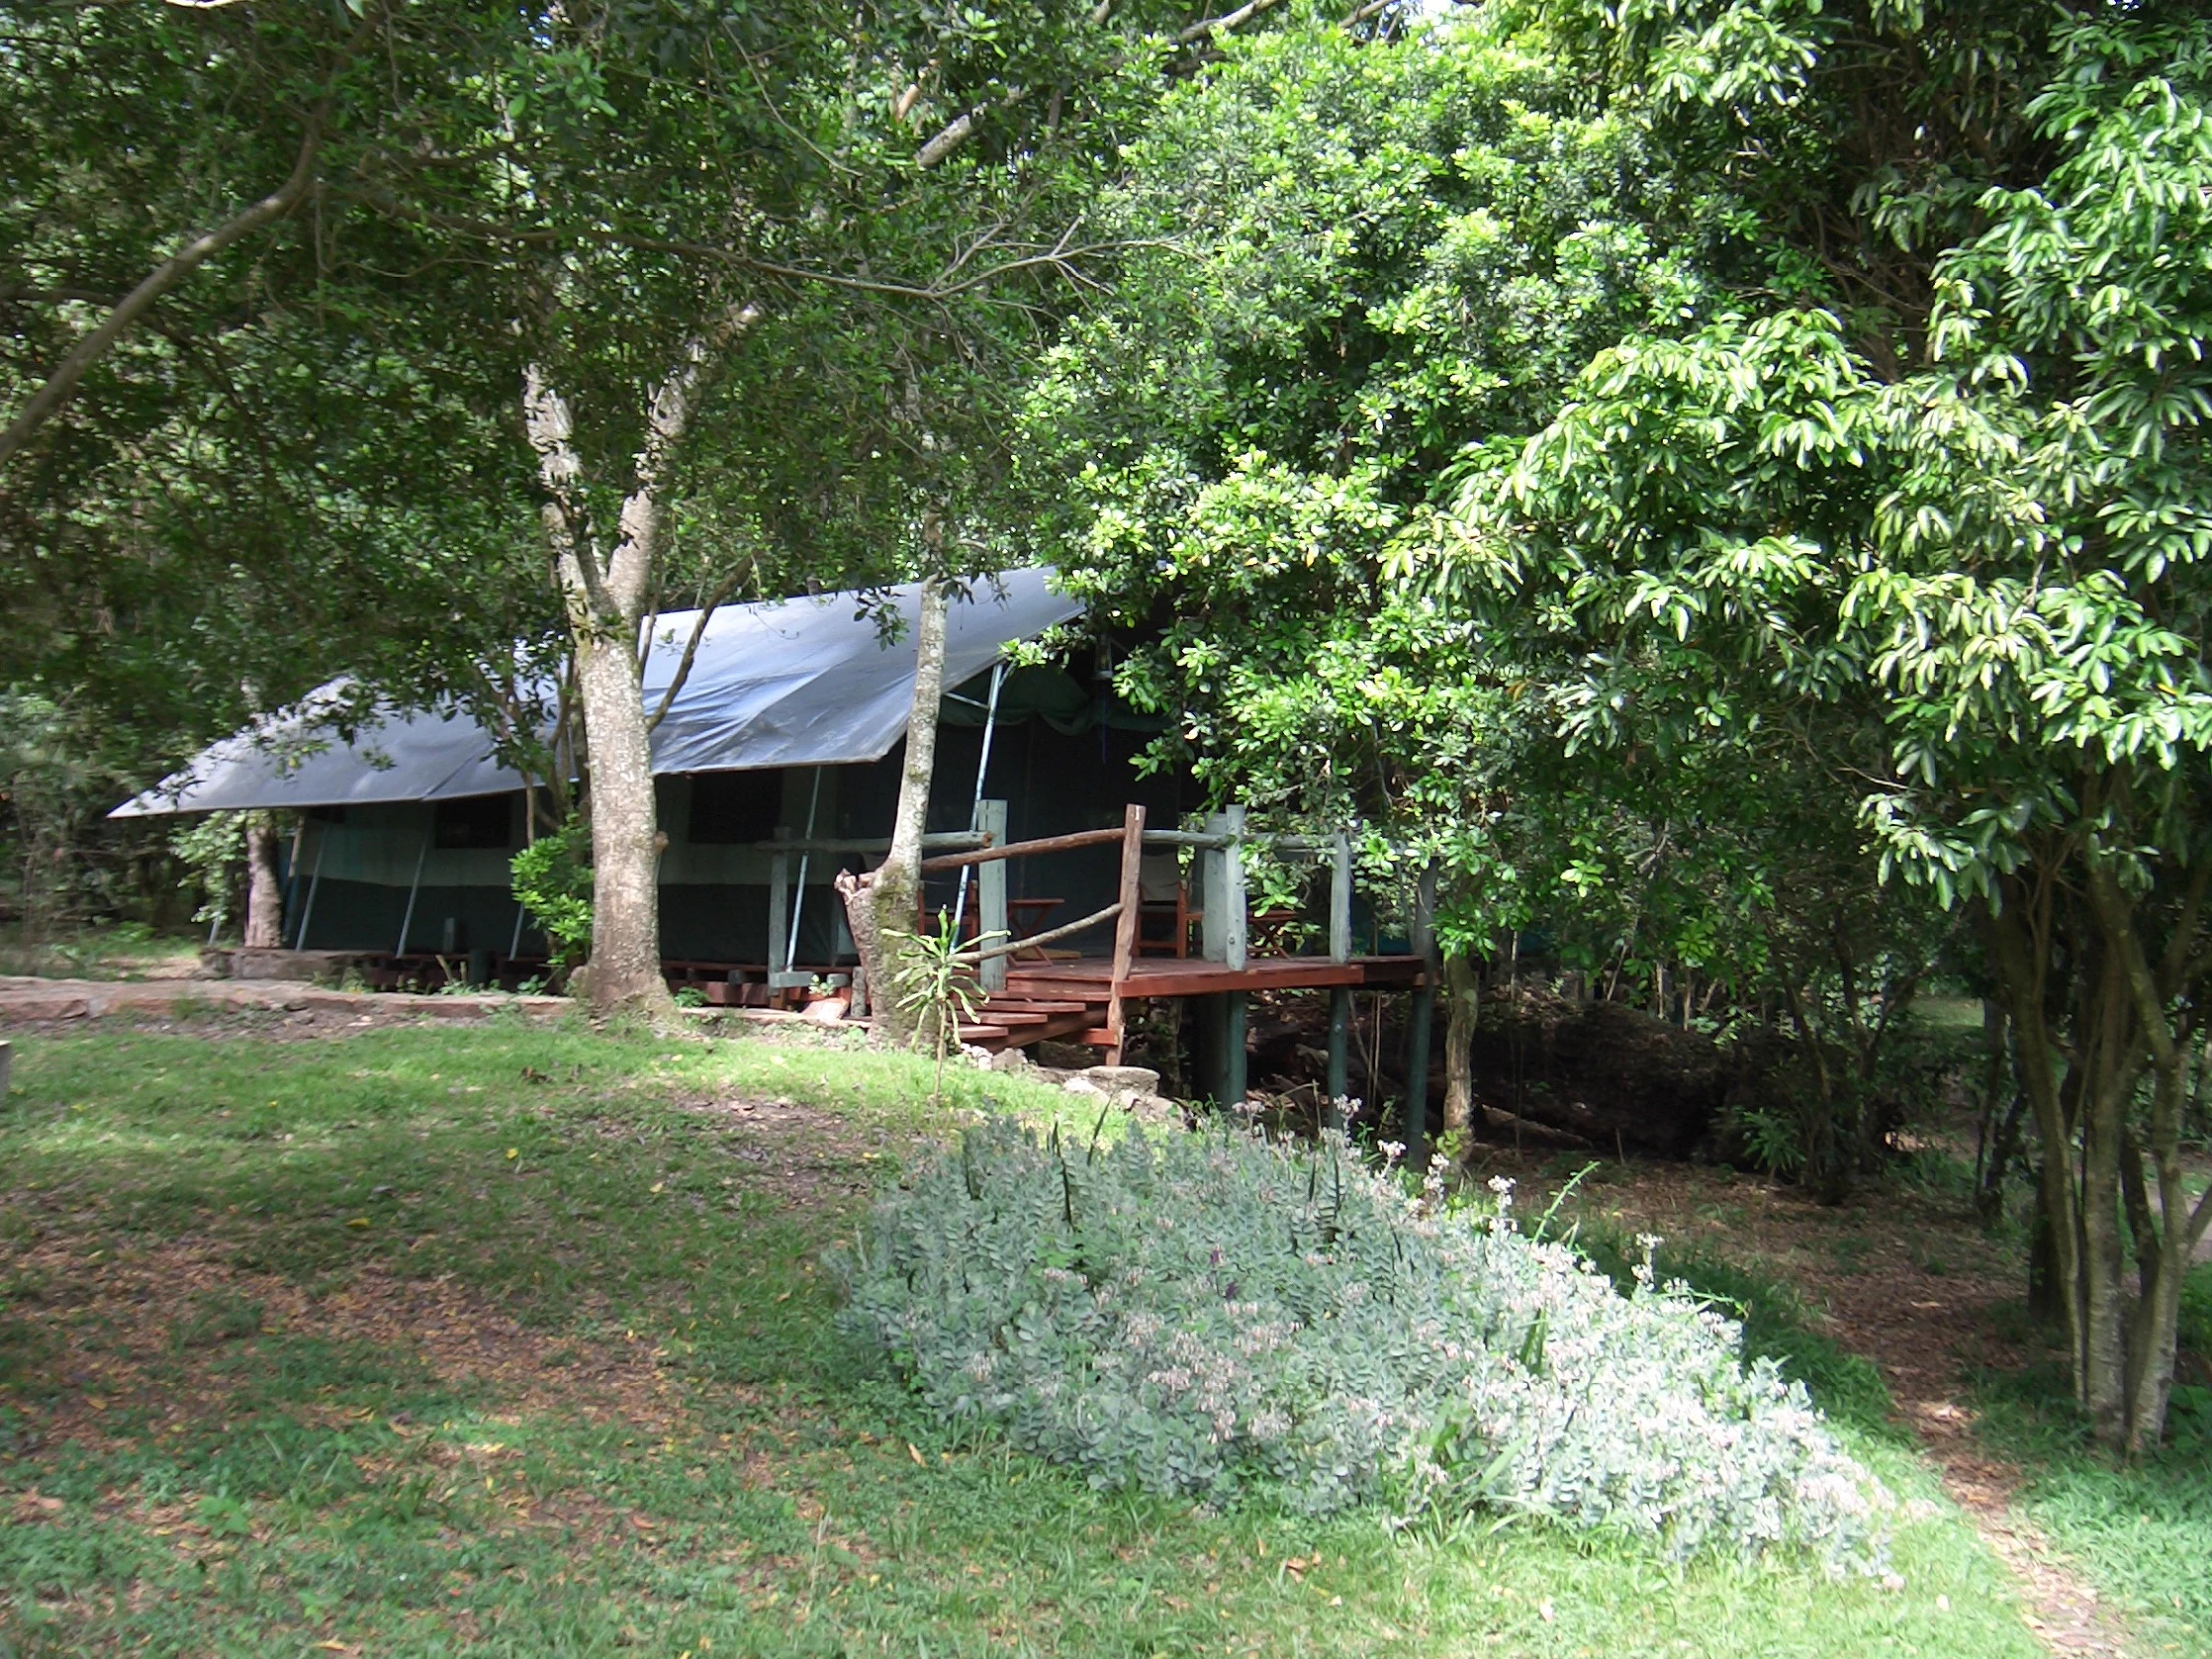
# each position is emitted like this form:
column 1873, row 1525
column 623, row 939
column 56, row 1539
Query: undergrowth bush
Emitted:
column 1215, row 1316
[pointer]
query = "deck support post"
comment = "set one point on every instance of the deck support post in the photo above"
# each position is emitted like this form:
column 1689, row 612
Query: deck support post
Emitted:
column 1424, row 941
column 976, row 811
column 1232, row 1048
column 990, row 890
column 288, row 908
column 1221, row 934
column 1218, row 1043
column 798, row 897
column 1338, row 1084
column 1125, row 926
column 1339, row 897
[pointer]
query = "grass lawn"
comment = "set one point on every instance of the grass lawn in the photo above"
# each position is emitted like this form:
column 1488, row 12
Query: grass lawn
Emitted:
column 514, row 1339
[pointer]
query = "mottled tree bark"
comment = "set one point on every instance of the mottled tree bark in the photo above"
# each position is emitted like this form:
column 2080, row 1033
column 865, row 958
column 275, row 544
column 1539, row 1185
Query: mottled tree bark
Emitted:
column 605, row 586
column 882, row 906
column 1463, row 1000
column 265, row 891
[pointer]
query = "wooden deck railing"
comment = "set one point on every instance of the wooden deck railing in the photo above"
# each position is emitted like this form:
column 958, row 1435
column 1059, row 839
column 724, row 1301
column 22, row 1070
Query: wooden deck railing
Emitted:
column 1223, row 920
column 990, row 862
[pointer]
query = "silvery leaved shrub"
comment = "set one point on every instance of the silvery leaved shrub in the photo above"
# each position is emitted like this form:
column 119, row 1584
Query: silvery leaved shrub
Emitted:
column 1213, row 1316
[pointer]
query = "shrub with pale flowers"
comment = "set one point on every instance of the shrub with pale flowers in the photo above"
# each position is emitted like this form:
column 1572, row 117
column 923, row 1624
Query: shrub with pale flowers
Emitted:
column 1217, row 1315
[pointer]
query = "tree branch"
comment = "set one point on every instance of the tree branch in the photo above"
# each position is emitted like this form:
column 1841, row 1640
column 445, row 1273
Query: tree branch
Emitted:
column 1227, row 20
column 630, row 566
column 63, row 381
column 1062, row 256
column 49, row 398
column 2116, row 918
column 713, row 602
column 957, row 130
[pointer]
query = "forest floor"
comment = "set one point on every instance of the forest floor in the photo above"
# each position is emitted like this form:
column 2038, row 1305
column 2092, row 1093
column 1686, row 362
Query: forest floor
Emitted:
column 514, row 1338
column 104, row 954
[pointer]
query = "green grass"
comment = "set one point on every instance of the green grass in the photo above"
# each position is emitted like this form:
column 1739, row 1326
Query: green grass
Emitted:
column 512, row 1339
column 2144, row 1533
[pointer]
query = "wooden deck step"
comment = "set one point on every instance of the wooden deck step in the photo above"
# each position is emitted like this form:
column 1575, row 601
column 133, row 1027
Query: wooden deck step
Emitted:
column 983, row 1037
column 1031, row 1004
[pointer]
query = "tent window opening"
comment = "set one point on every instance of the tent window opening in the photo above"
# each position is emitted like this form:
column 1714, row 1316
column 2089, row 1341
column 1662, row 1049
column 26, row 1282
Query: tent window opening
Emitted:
column 735, row 808
column 475, row 824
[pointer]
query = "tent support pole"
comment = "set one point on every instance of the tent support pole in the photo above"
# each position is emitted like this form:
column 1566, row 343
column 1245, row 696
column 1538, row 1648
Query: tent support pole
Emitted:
column 982, row 770
column 779, row 895
column 799, row 899
column 514, row 946
column 415, row 887
column 315, row 886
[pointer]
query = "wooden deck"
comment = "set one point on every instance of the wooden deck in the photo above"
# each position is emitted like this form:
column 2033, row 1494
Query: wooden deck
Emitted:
column 1069, row 1000
column 1155, row 976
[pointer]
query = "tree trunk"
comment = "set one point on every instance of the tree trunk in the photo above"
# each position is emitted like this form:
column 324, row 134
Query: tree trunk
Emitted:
column 2023, row 916
column 625, row 840
column 265, row 892
column 604, row 589
column 1463, row 1002
column 2103, row 1263
column 2000, row 1137
column 882, row 906
column 2144, row 1335
column 2129, row 1017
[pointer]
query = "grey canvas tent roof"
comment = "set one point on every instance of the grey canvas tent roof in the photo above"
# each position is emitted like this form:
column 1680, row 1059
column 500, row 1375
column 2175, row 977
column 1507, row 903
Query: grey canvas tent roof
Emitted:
column 796, row 682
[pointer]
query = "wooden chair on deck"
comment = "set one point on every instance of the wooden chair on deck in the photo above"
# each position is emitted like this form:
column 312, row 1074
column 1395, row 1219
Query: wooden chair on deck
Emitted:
column 1165, row 898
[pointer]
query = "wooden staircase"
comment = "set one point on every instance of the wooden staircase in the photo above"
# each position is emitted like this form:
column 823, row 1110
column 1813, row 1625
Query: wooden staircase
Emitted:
column 1013, row 1020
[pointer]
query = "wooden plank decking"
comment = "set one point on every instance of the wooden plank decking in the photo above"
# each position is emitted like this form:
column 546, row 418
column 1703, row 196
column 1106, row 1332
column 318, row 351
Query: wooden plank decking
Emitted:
column 1092, row 979
column 1071, row 999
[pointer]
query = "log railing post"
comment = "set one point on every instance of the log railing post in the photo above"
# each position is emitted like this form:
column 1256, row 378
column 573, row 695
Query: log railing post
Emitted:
column 1338, row 1069
column 1222, row 894
column 1125, row 925
column 1338, row 1084
column 1339, row 897
column 990, row 894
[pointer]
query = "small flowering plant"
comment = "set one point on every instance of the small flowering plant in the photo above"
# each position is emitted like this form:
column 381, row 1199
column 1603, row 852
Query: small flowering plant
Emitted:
column 1211, row 1315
